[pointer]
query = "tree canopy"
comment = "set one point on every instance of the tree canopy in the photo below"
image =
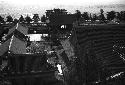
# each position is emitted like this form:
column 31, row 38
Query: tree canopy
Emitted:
column 28, row 19
column 9, row 18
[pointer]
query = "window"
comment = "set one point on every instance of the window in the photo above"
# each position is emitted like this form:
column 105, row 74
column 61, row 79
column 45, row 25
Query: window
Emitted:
column 63, row 26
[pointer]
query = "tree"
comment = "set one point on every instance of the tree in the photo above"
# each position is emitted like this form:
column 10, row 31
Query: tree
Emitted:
column 15, row 21
column 85, row 15
column 36, row 18
column 21, row 19
column 117, row 17
column 78, row 14
column 28, row 19
column 1, row 19
column 101, row 17
column 43, row 18
column 94, row 17
column 9, row 19
column 111, row 15
column 122, row 14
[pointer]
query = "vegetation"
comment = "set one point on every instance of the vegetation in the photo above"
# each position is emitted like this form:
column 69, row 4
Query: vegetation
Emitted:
column 28, row 19
column 9, row 19
column 36, row 18
column 43, row 18
column 79, row 16
column 1, row 20
column 21, row 19
column 88, row 60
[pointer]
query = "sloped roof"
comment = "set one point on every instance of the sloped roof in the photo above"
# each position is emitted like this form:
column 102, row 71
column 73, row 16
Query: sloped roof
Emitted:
column 18, row 46
column 15, row 42
column 11, row 30
column 96, row 47
column 4, row 47
column 22, row 29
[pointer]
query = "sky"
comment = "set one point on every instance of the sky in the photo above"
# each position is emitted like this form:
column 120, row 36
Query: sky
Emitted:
column 45, row 3
column 18, row 7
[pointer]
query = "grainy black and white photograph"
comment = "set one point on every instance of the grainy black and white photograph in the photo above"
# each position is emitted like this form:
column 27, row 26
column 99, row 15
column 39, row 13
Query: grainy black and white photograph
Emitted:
column 62, row 42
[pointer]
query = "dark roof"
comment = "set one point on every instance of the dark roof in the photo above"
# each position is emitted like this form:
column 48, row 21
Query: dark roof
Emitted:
column 96, row 47
column 62, row 19
column 4, row 47
column 15, row 40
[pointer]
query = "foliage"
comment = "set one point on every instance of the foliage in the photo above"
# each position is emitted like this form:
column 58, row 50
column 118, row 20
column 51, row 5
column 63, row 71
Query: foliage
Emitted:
column 28, row 19
column 101, row 17
column 78, row 14
column 111, row 15
column 21, row 19
column 43, row 18
column 15, row 21
column 36, row 18
column 1, row 19
column 85, row 15
column 94, row 17
column 9, row 19
column 122, row 14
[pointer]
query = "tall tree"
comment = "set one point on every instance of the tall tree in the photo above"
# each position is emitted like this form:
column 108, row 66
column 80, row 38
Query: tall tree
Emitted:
column 15, row 21
column 122, row 14
column 21, row 19
column 43, row 18
column 85, row 15
column 102, row 17
column 9, row 18
column 78, row 14
column 36, row 18
column 1, row 19
column 28, row 19
column 111, row 15
column 94, row 17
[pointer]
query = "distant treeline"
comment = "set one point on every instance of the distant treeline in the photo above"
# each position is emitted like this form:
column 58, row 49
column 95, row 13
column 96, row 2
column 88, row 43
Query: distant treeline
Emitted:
column 112, row 15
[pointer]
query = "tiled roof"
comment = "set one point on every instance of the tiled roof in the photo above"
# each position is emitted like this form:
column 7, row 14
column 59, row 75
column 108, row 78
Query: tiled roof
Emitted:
column 15, row 40
column 96, row 45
